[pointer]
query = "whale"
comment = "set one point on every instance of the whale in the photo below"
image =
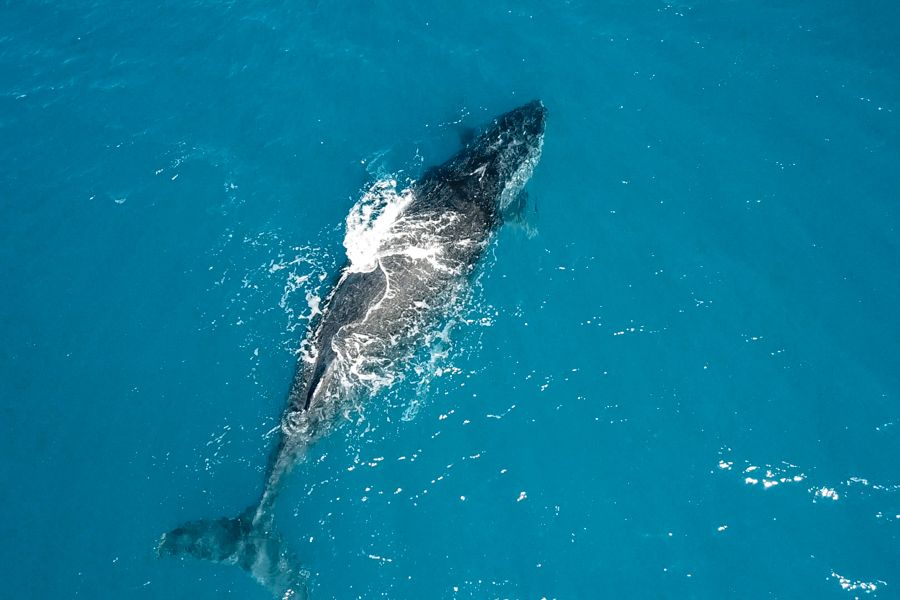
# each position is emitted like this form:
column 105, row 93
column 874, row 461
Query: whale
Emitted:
column 416, row 252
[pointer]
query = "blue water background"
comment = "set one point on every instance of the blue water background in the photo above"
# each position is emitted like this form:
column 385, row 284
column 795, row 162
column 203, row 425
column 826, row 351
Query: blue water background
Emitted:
column 713, row 287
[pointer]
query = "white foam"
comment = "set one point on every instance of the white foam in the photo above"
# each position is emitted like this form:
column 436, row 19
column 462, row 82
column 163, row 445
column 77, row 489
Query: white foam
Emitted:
column 370, row 221
column 853, row 585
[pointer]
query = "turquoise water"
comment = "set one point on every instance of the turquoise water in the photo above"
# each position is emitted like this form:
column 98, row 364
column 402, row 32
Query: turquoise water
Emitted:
column 678, row 380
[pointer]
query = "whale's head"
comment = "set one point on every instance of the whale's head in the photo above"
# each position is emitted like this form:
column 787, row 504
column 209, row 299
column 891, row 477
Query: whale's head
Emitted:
column 496, row 164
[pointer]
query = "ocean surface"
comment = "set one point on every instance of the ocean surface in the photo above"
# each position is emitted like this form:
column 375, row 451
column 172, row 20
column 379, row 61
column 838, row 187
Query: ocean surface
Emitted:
column 678, row 378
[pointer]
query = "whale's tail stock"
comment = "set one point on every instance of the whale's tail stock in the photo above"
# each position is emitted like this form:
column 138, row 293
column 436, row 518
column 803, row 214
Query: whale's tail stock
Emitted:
column 249, row 541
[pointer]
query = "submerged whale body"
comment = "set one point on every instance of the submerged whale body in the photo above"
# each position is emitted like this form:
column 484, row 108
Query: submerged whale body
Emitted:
column 424, row 245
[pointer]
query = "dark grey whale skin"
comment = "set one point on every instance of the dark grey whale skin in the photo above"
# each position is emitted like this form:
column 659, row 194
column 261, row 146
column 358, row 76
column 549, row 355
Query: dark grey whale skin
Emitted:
column 456, row 206
column 469, row 184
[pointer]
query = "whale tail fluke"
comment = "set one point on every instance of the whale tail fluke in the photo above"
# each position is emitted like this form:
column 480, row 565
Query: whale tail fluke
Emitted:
column 244, row 541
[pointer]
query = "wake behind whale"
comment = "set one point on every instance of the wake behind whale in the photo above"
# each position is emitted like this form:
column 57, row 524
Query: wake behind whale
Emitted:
column 410, row 255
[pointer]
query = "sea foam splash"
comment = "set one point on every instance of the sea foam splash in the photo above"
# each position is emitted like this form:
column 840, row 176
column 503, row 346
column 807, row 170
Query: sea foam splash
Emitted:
column 370, row 221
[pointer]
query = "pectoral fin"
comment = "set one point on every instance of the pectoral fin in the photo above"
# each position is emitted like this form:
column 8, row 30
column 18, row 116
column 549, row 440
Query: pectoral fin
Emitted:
column 521, row 212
